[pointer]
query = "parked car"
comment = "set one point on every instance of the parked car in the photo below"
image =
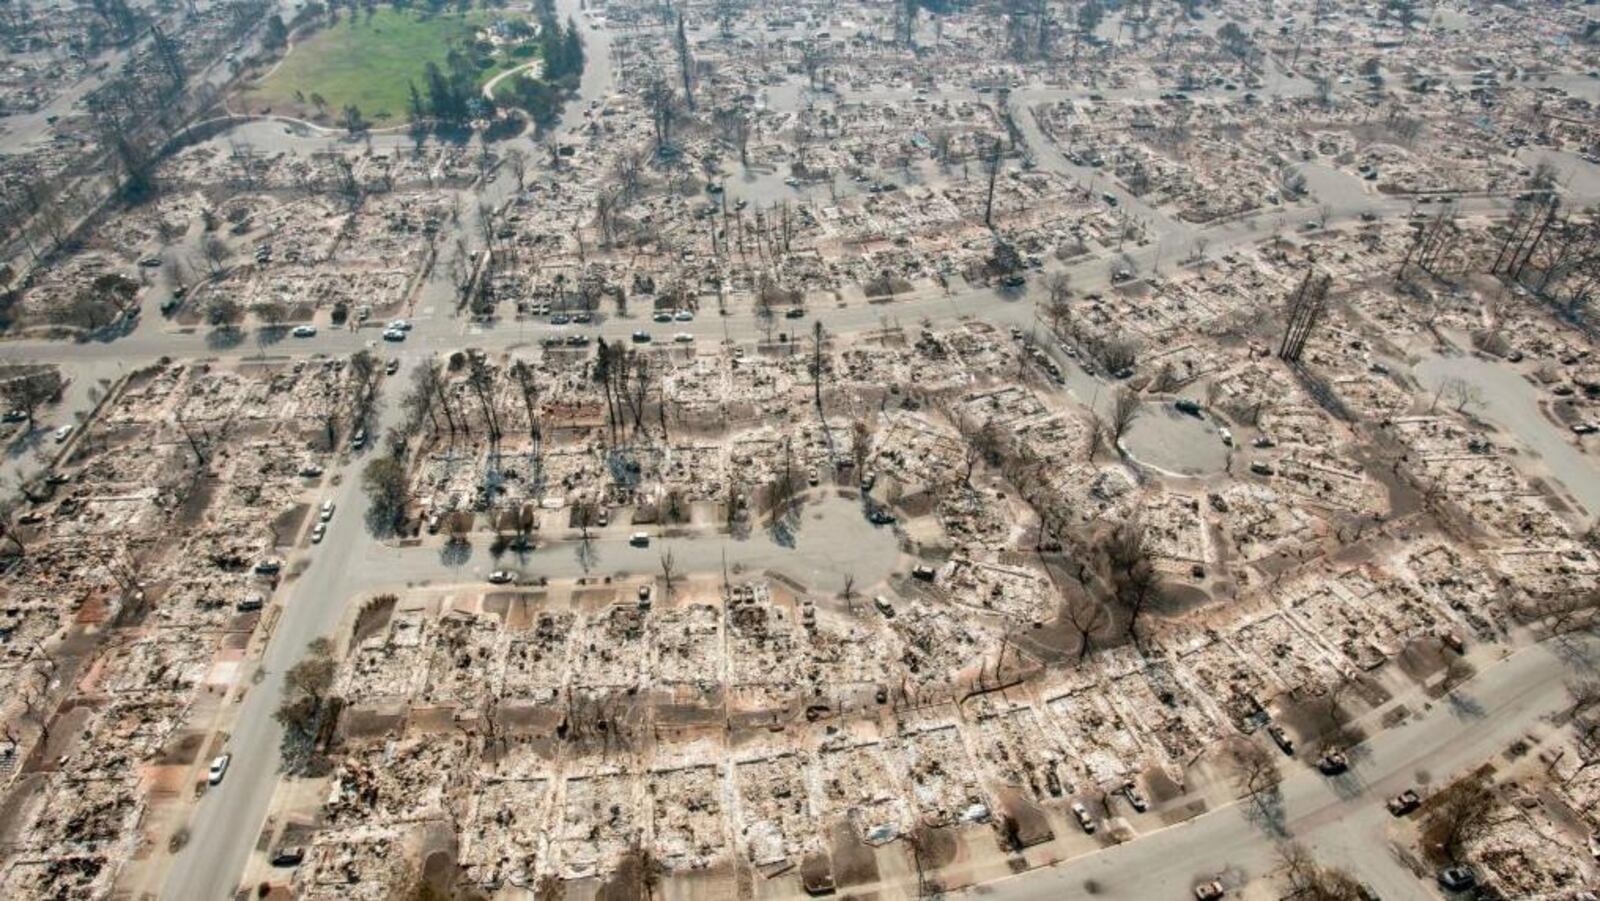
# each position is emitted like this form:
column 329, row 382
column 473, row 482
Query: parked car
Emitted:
column 1209, row 891
column 393, row 335
column 641, row 337
column 288, row 856
column 1332, row 763
column 501, row 576
column 219, row 768
column 684, row 316
column 1404, row 803
column 327, row 511
column 640, row 539
column 1135, row 797
column 1281, row 738
column 884, row 607
column 400, row 325
column 1457, row 878
column 318, row 532
column 63, row 433
column 1085, row 819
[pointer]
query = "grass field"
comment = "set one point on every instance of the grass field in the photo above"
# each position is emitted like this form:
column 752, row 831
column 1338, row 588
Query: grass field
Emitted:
column 367, row 61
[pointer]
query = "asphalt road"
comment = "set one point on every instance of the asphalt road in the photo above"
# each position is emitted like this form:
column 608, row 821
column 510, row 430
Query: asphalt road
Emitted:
column 1342, row 820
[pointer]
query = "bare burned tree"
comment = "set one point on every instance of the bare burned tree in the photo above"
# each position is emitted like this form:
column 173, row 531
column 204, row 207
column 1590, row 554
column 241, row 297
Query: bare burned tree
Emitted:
column 1257, row 778
column 669, row 572
column 1310, row 881
column 1086, row 616
column 1457, row 815
column 1305, row 311
column 995, row 159
column 1125, row 408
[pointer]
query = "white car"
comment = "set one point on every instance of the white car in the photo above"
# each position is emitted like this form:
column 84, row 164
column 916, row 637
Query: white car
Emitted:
column 305, row 331
column 318, row 531
column 394, row 334
column 219, row 768
column 63, row 433
column 400, row 325
column 327, row 511
column 501, row 576
column 1084, row 819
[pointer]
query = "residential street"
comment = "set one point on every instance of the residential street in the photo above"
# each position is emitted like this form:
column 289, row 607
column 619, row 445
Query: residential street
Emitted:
column 1342, row 819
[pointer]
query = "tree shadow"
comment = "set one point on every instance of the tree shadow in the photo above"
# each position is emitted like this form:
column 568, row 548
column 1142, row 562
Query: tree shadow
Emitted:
column 1464, row 707
column 784, row 528
column 224, row 337
column 455, row 553
column 1266, row 811
column 268, row 335
column 121, row 327
column 30, row 440
column 588, row 555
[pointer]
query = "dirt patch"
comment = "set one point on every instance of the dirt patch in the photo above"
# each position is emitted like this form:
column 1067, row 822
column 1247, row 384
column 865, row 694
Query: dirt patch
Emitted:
column 1422, row 659
column 373, row 618
column 182, row 750
column 853, row 862
column 288, row 523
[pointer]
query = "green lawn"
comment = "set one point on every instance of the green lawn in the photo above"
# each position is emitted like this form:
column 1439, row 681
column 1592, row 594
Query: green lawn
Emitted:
column 367, row 61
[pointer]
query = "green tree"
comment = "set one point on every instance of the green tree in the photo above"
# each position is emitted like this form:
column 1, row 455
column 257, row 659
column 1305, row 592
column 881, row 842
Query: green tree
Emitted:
column 384, row 480
column 277, row 33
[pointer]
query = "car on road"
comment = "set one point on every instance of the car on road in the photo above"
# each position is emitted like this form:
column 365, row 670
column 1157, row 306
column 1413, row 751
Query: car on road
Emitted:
column 501, row 576
column 1085, row 819
column 304, row 331
column 1457, row 878
column 399, row 325
column 219, row 768
column 1209, row 891
column 684, row 316
column 1404, row 803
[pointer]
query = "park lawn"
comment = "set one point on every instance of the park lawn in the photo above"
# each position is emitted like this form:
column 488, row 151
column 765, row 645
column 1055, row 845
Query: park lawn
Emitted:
column 367, row 61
